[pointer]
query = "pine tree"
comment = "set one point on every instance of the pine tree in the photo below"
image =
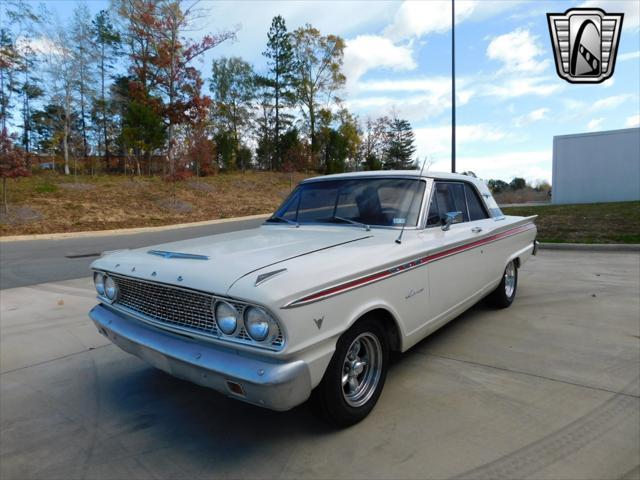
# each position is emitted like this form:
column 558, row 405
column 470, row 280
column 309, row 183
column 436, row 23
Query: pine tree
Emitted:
column 279, row 82
column 107, row 40
column 400, row 145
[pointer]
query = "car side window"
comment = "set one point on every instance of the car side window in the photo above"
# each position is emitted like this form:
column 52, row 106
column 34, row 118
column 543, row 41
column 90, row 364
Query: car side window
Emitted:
column 476, row 210
column 447, row 197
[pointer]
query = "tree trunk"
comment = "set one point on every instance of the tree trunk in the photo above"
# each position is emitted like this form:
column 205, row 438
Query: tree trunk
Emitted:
column 277, row 132
column 65, row 143
column 4, row 195
column 104, row 111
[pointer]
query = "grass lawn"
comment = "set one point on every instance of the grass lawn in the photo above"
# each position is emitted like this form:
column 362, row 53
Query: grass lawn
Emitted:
column 585, row 223
column 51, row 203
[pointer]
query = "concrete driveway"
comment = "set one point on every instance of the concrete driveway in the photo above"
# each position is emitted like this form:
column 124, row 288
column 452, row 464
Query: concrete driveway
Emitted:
column 548, row 388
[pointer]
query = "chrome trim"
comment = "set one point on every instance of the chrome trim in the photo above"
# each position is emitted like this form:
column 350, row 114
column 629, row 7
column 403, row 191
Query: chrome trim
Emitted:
column 361, row 369
column 240, row 337
column 266, row 382
column 510, row 279
column 187, row 256
column 263, row 277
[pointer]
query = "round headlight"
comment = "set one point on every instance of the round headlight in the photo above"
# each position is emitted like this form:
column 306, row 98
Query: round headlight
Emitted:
column 110, row 288
column 98, row 280
column 258, row 323
column 226, row 317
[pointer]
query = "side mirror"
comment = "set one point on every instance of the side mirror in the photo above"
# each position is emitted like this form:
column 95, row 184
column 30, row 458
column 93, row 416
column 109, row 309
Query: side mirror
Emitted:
column 450, row 218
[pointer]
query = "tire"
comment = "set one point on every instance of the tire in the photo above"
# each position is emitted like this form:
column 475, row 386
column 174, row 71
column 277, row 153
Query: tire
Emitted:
column 345, row 403
column 505, row 293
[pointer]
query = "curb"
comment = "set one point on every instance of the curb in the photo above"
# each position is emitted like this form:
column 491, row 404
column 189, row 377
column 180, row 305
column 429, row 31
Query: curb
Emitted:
column 126, row 231
column 593, row 247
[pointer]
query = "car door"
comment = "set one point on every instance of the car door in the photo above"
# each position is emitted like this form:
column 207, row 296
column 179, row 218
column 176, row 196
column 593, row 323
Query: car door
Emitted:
column 456, row 269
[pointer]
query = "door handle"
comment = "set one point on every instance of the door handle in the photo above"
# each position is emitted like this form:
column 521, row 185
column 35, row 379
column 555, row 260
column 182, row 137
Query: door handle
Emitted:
column 476, row 229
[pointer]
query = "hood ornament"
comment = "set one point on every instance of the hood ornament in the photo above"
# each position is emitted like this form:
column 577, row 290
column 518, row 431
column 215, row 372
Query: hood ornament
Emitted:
column 188, row 256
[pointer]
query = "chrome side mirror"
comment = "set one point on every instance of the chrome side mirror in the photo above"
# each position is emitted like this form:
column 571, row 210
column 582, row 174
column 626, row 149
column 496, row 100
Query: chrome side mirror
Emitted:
column 450, row 218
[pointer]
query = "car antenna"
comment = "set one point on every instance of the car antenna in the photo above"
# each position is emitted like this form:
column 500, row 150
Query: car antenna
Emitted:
column 399, row 239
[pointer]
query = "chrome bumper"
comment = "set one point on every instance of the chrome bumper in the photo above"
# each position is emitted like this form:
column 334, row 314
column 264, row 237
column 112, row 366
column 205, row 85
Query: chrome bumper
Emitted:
column 263, row 381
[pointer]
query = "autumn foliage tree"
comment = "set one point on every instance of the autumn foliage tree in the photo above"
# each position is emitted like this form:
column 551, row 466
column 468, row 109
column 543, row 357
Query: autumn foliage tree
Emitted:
column 12, row 164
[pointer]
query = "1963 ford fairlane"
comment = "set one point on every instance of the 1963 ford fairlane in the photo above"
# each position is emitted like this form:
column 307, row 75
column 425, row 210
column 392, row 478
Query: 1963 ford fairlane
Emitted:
column 311, row 303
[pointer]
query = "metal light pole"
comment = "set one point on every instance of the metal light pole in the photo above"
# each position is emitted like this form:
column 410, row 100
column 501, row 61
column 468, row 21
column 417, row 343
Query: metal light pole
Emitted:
column 453, row 86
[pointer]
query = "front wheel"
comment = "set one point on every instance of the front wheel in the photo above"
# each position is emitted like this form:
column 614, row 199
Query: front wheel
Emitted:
column 355, row 376
column 505, row 293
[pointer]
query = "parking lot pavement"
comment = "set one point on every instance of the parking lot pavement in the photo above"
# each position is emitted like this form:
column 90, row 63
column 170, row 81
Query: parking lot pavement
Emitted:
column 548, row 388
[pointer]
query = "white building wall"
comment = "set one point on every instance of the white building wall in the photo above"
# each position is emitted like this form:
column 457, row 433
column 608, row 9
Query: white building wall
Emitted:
column 596, row 167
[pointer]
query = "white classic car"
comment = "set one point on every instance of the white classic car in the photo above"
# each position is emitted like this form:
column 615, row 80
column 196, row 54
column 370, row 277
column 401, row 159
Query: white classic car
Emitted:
column 350, row 268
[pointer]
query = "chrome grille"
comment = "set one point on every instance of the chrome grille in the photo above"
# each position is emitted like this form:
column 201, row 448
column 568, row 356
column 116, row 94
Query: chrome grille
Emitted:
column 179, row 307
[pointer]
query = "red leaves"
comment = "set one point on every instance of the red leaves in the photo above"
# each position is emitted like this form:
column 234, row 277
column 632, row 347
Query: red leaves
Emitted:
column 12, row 158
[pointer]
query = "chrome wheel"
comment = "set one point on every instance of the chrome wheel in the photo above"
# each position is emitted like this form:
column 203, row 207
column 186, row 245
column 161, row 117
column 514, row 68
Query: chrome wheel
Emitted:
column 361, row 369
column 510, row 279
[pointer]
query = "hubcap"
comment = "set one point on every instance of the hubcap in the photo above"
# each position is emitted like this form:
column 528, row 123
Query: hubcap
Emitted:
column 510, row 279
column 361, row 369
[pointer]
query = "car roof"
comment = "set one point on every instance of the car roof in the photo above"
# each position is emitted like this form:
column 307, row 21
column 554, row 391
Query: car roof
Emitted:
column 394, row 173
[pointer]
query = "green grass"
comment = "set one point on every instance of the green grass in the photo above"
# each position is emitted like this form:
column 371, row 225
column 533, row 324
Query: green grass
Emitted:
column 46, row 188
column 585, row 223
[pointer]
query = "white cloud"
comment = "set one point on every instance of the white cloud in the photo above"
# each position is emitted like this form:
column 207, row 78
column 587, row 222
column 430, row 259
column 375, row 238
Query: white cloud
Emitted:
column 530, row 165
column 519, row 51
column 531, row 117
column 608, row 83
column 438, row 86
column 435, row 142
column 367, row 52
column 39, row 45
column 628, row 56
column 633, row 121
column 595, row 124
column 415, row 18
column 253, row 17
column 518, row 86
column 419, row 99
column 610, row 102
column 630, row 8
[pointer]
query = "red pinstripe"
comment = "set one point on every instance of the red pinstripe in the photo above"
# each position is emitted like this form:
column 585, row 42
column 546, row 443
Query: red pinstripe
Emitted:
column 410, row 265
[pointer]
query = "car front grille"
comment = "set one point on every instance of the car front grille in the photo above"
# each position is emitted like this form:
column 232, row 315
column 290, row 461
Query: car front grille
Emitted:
column 179, row 307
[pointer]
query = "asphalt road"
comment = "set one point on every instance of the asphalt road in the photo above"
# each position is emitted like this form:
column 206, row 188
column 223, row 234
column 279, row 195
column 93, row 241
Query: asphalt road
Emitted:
column 546, row 389
column 27, row 262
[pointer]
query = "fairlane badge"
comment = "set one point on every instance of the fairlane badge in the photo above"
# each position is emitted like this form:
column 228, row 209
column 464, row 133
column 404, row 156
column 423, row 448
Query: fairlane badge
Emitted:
column 413, row 293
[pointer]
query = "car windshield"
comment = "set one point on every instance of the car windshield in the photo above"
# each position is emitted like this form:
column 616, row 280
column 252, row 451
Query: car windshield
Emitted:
column 388, row 202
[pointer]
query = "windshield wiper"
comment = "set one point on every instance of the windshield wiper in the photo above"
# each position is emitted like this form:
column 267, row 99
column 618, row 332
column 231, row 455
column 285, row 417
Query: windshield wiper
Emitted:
column 276, row 218
column 353, row 222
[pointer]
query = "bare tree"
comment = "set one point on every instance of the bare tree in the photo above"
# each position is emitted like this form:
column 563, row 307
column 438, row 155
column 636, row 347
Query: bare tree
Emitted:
column 63, row 73
column 319, row 63
column 84, row 53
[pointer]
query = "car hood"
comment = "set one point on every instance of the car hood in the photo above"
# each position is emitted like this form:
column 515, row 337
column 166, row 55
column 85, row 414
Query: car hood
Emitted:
column 215, row 262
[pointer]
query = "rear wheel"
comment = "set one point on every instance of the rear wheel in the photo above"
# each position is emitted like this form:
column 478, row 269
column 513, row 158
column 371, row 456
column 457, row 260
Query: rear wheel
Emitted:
column 505, row 293
column 355, row 376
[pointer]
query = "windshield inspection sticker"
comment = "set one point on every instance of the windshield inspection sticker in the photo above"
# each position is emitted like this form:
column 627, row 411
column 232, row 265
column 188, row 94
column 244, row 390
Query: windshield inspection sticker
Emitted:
column 399, row 221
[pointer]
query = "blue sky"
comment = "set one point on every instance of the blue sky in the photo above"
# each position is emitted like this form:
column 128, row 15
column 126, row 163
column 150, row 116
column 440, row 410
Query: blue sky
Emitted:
column 510, row 101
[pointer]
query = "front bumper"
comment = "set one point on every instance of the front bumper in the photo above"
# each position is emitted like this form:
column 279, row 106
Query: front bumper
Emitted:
column 264, row 382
